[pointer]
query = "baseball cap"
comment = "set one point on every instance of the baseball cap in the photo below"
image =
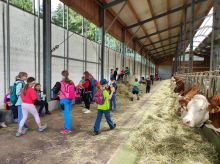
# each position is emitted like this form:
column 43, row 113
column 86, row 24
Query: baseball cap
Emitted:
column 103, row 82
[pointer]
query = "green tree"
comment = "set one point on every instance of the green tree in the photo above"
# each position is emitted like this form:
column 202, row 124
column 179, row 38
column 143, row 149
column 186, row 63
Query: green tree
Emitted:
column 24, row 4
column 75, row 22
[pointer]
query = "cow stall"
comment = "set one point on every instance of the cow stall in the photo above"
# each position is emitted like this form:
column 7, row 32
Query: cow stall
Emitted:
column 208, row 86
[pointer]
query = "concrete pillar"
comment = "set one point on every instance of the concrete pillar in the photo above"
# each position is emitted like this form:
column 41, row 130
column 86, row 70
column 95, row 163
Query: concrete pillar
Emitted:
column 215, row 56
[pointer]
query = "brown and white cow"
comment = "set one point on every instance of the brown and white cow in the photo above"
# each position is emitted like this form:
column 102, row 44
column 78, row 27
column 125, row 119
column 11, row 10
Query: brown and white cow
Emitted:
column 196, row 111
column 214, row 112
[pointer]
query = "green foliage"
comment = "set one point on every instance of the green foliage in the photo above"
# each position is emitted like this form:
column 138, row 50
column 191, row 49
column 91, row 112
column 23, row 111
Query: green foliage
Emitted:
column 24, row 4
column 75, row 22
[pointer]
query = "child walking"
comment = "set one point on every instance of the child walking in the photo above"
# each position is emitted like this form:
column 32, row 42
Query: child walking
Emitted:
column 113, row 99
column 66, row 94
column 135, row 89
column 19, row 84
column 104, row 108
column 148, row 82
column 29, row 96
column 42, row 102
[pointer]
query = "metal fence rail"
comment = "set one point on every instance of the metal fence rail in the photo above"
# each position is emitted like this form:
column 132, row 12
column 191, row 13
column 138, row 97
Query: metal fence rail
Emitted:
column 207, row 81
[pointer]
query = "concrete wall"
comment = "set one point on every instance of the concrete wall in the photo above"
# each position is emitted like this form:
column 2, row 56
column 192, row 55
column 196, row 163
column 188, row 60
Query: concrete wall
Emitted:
column 24, row 51
column 165, row 71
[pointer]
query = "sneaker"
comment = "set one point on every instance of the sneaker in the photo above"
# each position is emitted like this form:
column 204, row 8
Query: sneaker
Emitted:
column 3, row 125
column 84, row 110
column 49, row 113
column 65, row 131
column 113, row 127
column 25, row 130
column 18, row 134
column 88, row 111
column 42, row 128
column 95, row 133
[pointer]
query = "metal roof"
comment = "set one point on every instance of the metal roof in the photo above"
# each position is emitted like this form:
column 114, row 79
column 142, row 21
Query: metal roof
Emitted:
column 156, row 24
column 159, row 15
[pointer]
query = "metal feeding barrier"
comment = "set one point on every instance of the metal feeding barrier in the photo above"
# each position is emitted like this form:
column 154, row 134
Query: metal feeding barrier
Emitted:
column 208, row 81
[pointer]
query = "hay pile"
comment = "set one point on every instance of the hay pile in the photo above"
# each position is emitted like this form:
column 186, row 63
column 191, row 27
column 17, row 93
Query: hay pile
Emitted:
column 124, row 93
column 162, row 138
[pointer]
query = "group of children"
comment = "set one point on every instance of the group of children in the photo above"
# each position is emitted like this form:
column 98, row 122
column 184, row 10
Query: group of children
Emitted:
column 29, row 95
column 21, row 100
column 122, row 76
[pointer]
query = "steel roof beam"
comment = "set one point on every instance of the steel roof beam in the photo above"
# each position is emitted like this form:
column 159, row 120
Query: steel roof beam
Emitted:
column 157, row 32
column 162, row 15
column 170, row 28
column 166, row 54
column 172, row 37
column 163, row 46
column 163, row 51
column 113, row 3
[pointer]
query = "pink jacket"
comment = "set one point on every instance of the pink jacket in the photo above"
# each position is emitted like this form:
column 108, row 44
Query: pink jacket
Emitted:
column 67, row 91
column 29, row 97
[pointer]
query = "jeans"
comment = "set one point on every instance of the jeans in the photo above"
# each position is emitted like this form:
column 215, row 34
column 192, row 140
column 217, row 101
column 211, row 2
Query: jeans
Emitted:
column 19, row 114
column 113, row 101
column 43, row 104
column 99, row 119
column 14, row 110
column 66, row 112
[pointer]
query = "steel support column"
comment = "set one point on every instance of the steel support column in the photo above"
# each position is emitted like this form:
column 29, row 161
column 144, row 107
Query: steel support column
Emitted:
column 215, row 57
column 47, row 47
column 134, row 58
column 103, row 41
column 38, row 39
column 123, row 47
column 185, row 38
column 35, row 43
column 64, row 37
column 141, row 63
column 3, row 41
column 67, row 43
column 8, row 43
column 191, row 36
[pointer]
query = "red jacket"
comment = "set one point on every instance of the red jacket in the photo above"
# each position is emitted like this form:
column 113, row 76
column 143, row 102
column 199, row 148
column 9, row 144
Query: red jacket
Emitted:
column 29, row 97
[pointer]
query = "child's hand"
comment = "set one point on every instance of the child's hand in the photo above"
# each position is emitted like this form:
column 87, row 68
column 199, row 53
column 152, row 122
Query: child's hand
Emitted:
column 112, row 89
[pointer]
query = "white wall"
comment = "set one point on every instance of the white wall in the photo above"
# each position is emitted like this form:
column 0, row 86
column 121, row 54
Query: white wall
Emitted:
column 165, row 71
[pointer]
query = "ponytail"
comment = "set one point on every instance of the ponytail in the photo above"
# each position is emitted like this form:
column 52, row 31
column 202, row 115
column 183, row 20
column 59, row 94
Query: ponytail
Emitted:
column 25, row 88
column 29, row 80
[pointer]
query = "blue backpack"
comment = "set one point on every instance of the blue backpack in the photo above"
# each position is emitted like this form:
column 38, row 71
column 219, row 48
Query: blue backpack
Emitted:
column 13, row 95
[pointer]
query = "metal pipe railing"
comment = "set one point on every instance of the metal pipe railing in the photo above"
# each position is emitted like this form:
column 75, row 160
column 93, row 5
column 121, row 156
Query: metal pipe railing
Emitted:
column 208, row 81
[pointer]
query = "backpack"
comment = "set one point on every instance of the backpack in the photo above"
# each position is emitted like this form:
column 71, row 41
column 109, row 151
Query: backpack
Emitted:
column 92, row 82
column 96, row 83
column 55, row 90
column 98, row 97
column 65, row 90
column 13, row 95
